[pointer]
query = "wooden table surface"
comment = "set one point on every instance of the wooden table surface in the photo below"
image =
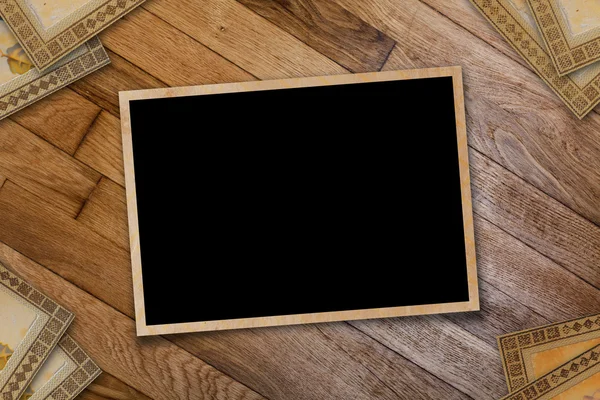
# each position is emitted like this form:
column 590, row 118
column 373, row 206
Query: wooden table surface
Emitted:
column 535, row 178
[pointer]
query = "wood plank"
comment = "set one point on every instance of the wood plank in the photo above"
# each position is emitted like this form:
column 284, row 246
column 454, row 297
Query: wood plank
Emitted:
column 105, row 213
column 244, row 38
column 445, row 350
column 103, row 86
column 151, row 365
column 42, row 169
column 63, row 118
column 168, row 54
column 107, row 386
column 329, row 29
column 102, row 148
column 514, row 118
column 289, row 358
column 66, row 246
column 535, row 219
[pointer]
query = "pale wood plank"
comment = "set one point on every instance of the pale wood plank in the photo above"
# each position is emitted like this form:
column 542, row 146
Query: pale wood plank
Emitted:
column 166, row 53
column 244, row 38
column 66, row 246
column 107, row 386
column 105, row 213
column 514, row 118
column 102, row 148
column 329, row 29
column 535, row 218
column 153, row 365
column 44, row 170
column 63, row 118
column 445, row 350
column 103, row 86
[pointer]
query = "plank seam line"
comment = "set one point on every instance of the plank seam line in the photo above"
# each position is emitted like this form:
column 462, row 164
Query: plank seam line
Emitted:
column 539, row 252
column 318, row 326
column 388, row 55
column 195, row 40
column 351, row 323
column 87, row 131
column 128, row 317
column 297, row 38
column 85, row 201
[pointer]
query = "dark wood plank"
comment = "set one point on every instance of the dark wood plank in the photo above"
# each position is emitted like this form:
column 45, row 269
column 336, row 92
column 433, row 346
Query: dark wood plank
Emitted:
column 329, row 29
column 102, row 147
column 152, row 365
column 66, row 246
column 44, row 170
column 107, row 387
column 166, row 53
column 513, row 117
column 63, row 118
column 105, row 212
column 244, row 38
column 103, row 86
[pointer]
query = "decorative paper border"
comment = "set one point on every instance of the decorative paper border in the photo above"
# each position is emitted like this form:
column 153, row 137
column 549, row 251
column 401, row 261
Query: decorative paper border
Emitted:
column 17, row 376
column 568, row 52
column 528, row 43
column 74, row 381
column 514, row 346
column 46, row 46
column 34, row 85
column 561, row 379
column 471, row 305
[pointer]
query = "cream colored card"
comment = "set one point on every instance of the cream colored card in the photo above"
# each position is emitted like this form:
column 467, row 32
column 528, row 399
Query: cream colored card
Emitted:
column 21, row 84
column 577, row 379
column 528, row 355
column 48, row 30
column 31, row 325
column 67, row 371
column 571, row 30
column 579, row 90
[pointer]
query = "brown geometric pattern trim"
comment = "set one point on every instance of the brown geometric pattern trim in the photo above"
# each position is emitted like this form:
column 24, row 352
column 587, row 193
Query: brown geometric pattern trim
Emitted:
column 564, row 377
column 94, row 58
column 579, row 100
column 47, row 338
column 512, row 345
column 44, row 53
column 81, row 377
column 566, row 58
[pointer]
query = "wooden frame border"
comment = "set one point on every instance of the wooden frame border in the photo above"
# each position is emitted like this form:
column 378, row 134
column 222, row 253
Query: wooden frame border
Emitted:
column 581, row 92
column 561, row 379
column 516, row 348
column 568, row 52
column 34, row 85
column 472, row 305
column 46, row 46
column 51, row 323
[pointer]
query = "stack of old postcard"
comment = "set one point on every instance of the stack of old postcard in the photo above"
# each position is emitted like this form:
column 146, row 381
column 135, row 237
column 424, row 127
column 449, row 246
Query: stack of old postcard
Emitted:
column 38, row 359
column 559, row 361
column 48, row 44
column 559, row 39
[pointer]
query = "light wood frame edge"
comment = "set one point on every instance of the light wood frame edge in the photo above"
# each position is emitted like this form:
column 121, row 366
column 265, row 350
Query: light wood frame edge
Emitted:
column 472, row 305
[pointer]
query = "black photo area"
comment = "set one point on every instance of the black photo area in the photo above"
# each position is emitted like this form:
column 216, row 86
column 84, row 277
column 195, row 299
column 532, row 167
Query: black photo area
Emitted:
column 299, row 200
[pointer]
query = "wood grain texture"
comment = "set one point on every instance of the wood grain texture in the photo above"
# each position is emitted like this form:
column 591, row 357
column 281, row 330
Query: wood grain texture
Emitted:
column 102, row 149
column 43, row 169
column 248, row 40
column 107, row 386
column 535, row 187
column 330, row 29
column 62, row 119
column 167, row 54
